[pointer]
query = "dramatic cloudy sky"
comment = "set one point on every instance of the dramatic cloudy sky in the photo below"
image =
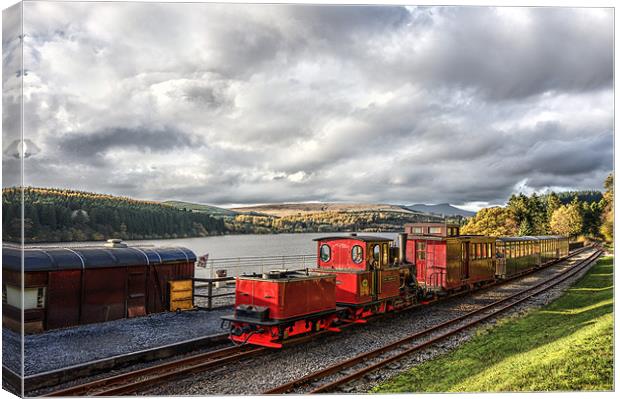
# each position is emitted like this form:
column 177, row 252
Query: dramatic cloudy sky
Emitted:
column 245, row 104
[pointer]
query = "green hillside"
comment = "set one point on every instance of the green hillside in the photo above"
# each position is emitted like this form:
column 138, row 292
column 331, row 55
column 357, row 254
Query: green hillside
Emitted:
column 52, row 215
column 208, row 209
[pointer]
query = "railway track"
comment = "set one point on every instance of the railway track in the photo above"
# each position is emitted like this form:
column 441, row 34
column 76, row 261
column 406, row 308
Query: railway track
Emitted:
column 134, row 381
column 331, row 378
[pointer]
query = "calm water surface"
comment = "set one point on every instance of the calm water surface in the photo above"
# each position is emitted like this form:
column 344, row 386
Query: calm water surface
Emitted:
column 252, row 244
column 234, row 246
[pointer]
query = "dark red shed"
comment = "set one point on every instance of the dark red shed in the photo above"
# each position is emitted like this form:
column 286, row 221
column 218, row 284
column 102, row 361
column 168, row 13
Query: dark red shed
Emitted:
column 70, row 286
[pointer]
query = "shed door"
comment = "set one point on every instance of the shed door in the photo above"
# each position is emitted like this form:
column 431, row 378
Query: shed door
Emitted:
column 63, row 298
column 464, row 260
column 136, row 291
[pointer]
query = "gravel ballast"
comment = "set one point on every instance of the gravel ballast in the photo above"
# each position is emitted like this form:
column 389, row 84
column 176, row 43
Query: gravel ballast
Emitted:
column 256, row 375
column 71, row 346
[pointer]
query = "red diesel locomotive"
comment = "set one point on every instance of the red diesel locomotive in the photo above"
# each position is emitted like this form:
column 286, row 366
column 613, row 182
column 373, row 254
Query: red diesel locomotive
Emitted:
column 360, row 276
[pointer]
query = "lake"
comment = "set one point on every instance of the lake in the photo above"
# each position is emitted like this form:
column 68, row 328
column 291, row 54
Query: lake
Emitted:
column 233, row 246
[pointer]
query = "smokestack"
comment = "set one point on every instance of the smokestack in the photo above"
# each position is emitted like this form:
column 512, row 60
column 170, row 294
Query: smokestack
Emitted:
column 402, row 247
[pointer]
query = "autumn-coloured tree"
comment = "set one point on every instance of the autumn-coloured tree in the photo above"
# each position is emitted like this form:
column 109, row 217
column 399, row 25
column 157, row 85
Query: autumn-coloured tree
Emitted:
column 567, row 220
column 496, row 221
column 607, row 227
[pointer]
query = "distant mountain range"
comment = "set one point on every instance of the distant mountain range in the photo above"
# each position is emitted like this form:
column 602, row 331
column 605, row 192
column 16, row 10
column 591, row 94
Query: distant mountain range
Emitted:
column 284, row 210
column 441, row 209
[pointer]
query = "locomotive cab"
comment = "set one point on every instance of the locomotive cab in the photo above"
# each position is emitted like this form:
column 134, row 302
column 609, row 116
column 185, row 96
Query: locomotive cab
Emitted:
column 368, row 275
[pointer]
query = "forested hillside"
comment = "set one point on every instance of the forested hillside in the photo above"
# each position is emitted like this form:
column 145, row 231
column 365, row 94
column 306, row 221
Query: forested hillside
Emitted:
column 52, row 215
column 369, row 221
column 67, row 215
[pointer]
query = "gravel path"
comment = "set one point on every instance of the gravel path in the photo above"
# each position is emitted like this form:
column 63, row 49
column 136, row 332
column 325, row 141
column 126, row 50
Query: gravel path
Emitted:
column 256, row 375
column 70, row 346
column 11, row 350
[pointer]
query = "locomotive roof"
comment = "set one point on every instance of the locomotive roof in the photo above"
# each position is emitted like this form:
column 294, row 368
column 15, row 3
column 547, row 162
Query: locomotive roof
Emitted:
column 59, row 258
column 361, row 238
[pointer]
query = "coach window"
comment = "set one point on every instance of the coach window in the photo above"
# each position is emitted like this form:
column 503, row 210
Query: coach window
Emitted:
column 417, row 230
column 356, row 254
column 420, row 247
column 326, row 253
column 484, row 251
column 434, row 230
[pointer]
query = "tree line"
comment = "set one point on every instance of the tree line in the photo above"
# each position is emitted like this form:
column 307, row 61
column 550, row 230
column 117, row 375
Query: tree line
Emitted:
column 368, row 221
column 52, row 215
column 585, row 213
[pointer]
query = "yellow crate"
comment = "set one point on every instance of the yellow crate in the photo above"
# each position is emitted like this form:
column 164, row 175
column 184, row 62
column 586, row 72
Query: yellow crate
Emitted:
column 180, row 295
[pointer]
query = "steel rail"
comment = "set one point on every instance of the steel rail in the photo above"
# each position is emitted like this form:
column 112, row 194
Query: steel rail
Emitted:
column 562, row 276
column 136, row 379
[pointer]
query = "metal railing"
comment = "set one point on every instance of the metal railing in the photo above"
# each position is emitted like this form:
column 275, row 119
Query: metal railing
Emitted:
column 209, row 295
column 255, row 264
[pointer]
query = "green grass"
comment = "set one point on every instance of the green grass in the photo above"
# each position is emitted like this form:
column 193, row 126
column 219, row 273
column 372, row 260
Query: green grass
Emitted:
column 565, row 346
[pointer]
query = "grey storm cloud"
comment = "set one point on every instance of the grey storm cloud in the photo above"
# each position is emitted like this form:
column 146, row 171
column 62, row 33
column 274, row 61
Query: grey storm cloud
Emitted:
column 87, row 145
column 225, row 103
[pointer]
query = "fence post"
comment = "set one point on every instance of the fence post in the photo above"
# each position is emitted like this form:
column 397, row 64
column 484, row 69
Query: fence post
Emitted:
column 209, row 294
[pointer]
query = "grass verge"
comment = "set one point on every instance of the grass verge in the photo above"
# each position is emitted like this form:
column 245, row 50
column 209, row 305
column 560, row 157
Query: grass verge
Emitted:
column 564, row 346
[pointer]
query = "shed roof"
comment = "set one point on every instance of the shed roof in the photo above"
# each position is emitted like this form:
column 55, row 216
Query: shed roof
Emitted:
column 361, row 238
column 58, row 258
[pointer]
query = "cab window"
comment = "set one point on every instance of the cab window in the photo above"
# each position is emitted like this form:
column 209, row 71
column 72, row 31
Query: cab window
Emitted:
column 376, row 252
column 326, row 253
column 356, row 254
column 386, row 253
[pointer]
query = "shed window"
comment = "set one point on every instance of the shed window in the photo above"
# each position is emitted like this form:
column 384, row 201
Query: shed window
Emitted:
column 434, row 230
column 41, row 297
column 357, row 254
column 34, row 298
column 326, row 253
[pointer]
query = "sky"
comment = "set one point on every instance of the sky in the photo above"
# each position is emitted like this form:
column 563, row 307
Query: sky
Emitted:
column 248, row 104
